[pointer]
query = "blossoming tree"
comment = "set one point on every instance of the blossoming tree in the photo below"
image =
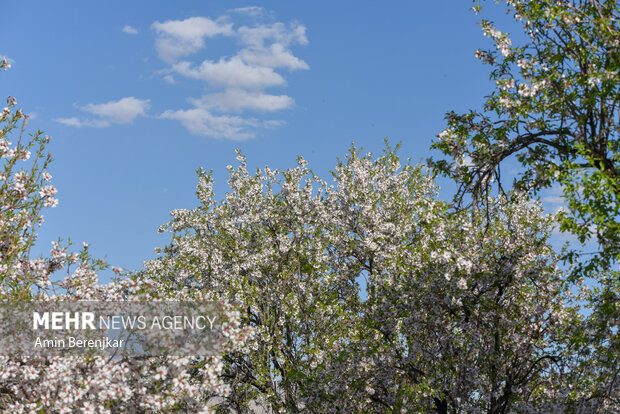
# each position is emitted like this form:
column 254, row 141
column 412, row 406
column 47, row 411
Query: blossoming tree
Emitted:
column 368, row 295
column 88, row 384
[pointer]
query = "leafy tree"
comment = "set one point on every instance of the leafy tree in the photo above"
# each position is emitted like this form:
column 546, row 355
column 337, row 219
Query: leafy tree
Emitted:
column 595, row 373
column 556, row 110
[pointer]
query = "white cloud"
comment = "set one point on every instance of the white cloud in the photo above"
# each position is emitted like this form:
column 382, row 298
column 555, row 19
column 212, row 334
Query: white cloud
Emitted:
column 271, row 124
column 239, row 80
column 269, row 45
column 561, row 237
column 123, row 111
column 233, row 72
column 129, row 30
column 274, row 56
column 252, row 11
column 202, row 122
column 277, row 32
column 178, row 38
column 75, row 122
column 553, row 198
column 236, row 100
column 70, row 121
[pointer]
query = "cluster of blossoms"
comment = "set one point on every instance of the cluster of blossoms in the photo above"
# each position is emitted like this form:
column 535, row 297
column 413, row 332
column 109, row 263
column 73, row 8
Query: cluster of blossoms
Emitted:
column 527, row 91
column 484, row 57
column 47, row 195
column 502, row 41
column 505, row 84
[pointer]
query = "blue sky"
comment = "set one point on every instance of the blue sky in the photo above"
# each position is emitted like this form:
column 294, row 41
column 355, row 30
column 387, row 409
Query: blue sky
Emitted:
column 137, row 95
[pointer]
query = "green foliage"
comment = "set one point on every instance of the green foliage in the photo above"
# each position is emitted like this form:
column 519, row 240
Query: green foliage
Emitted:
column 556, row 110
